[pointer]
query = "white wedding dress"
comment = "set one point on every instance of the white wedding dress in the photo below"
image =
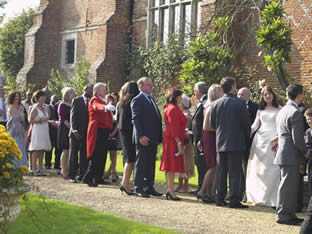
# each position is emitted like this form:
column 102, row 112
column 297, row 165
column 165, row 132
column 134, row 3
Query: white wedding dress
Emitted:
column 263, row 177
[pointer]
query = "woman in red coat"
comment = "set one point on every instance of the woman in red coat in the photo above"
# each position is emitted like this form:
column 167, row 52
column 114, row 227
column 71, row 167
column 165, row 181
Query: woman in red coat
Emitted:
column 173, row 144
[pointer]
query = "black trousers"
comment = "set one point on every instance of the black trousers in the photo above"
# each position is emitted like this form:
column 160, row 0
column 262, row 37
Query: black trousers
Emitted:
column 200, row 163
column 98, row 160
column 144, row 174
column 306, row 227
column 243, row 174
column 76, row 147
column 229, row 162
column 57, row 152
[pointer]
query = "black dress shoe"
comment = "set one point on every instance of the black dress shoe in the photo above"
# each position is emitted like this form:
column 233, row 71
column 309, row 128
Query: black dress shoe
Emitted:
column 153, row 192
column 204, row 198
column 102, row 181
column 290, row 222
column 194, row 192
column 238, row 206
column 80, row 178
column 221, row 203
column 141, row 193
column 91, row 184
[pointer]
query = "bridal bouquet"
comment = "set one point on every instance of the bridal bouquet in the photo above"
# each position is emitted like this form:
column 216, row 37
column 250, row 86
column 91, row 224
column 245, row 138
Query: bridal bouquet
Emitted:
column 10, row 177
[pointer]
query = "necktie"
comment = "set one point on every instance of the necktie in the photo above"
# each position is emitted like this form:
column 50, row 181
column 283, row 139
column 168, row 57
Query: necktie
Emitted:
column 154, row 105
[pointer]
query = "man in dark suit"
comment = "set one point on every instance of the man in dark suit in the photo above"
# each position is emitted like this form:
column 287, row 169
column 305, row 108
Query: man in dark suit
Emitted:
column 53, row 126
column 79, row 120
column 290, row 155
column 147, row 131
column 230, row 118
column 200, row 91
column 252, row 107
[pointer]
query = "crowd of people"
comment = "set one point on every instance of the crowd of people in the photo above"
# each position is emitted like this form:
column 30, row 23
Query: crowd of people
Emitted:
column 260, row 149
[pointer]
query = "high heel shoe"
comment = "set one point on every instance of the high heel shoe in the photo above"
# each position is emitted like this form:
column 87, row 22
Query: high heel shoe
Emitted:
column 168, row 195
column 123, row 189
column 204, row 198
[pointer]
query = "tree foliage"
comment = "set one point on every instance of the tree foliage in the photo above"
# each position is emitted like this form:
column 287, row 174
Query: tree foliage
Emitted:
column 209, row 58
column 274, row 36
column 78, row 81
column 163, row 62
column 12, row 37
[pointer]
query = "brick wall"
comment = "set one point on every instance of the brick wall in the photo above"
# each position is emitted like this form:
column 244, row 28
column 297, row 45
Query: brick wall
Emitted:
column 101, row 28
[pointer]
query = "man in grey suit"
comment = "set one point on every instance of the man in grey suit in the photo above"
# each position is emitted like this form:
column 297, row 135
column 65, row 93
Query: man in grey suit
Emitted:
column 230, row 118
column 290, row 155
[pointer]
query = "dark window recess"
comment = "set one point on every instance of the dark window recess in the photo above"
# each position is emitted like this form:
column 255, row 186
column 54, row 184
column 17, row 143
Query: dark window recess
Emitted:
column 70, row 52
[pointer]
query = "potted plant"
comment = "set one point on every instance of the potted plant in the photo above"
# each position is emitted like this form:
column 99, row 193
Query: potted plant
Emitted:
column 12, row 185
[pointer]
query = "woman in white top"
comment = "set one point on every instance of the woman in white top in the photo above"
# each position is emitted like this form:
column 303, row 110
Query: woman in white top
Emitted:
column 263, row 176
column 40, row 140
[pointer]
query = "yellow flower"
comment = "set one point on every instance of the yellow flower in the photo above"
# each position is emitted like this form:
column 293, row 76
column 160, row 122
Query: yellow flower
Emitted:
column 24, row 169
column 2, row 128
column 6, row 174
column 4, row 135
column 8, row 165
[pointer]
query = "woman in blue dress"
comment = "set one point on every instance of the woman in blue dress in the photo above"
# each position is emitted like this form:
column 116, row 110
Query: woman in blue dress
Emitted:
column 16, row 125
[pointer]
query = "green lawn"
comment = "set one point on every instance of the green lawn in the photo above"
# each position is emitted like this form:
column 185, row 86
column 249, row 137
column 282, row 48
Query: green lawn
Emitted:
column 159, row 175
column 58, row 217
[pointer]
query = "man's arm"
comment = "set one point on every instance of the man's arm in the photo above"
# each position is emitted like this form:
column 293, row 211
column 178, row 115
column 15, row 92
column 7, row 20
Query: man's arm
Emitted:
column 74, row 115
column 298, row 133
column 245, row 120
column 137, row 116
column 213, row 116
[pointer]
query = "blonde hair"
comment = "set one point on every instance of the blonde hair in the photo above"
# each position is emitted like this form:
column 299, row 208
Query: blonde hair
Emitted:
column 141, row 81
column 213, row 92
column 68, row 94
column 97, row 86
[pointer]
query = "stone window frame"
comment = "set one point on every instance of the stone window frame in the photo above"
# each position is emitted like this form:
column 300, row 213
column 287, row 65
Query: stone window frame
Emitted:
column 171, row 4
column 68, row 37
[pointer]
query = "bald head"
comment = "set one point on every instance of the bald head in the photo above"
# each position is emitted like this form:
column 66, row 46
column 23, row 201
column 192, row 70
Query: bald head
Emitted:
column 244, row 94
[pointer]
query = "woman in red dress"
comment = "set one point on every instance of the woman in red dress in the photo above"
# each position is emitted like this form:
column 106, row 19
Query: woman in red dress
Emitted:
column 173, row 144
column 208, row 146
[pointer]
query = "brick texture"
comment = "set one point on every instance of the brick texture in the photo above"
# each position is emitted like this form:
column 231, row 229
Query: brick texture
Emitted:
column 103, row 38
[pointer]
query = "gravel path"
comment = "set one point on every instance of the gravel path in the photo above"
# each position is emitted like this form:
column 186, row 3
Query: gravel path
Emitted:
column 187, row 216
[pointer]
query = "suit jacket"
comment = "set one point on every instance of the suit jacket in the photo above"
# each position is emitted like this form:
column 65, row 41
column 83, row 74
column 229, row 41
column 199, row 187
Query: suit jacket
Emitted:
column 230, row 118
column 145, row 119
column 79, row 117
column 98, row 118
column 252, row 110
column 290, row 130
column 198, row 119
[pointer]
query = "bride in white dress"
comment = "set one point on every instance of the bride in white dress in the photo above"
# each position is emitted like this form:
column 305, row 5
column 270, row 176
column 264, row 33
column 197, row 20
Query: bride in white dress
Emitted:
column 263, row 177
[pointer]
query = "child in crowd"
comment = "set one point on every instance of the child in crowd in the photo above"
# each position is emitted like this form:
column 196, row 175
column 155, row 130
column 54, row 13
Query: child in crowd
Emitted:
column 308, row 141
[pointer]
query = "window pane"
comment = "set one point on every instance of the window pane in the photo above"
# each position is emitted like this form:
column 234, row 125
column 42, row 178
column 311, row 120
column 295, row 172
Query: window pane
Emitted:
column 176, row 19
column 187, row 22
column 70, row 52
column 198, row 17
column 166, row 24
column 156, row 3
column 155, row 25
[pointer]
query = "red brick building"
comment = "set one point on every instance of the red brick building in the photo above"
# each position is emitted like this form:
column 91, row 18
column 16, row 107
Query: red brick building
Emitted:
column 105, row 31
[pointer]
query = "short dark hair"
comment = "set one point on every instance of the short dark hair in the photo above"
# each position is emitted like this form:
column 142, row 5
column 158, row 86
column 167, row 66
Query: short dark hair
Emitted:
column 294, row 90
column 172, row 95
column 227, row 83
column 38, row 94
column 308, row 112
column 11, row 97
